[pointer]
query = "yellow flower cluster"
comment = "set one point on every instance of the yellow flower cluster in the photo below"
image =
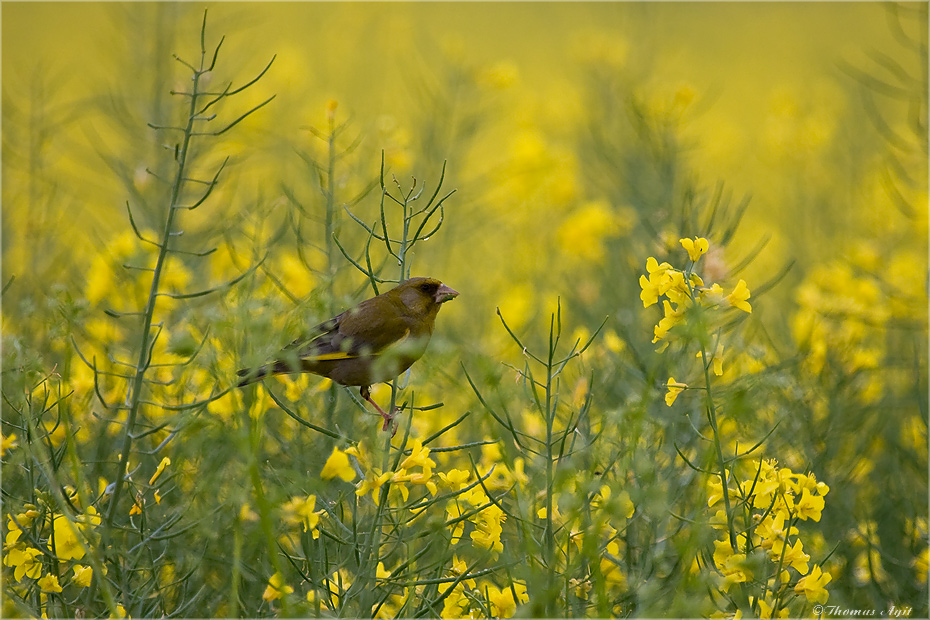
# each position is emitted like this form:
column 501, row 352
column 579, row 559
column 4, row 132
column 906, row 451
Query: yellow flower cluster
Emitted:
column 684, row 289
column 775, row 499
column 37, row 529
column 474, row 506
column 842, row 319
column 300, row 511
column 338, row 464
column 466, row 597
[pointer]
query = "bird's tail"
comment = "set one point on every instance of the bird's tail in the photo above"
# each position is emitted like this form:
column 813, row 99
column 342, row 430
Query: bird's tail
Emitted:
column 251, row 375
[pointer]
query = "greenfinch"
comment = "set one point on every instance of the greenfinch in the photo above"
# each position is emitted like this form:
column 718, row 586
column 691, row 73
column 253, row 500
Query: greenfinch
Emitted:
column 371, row 343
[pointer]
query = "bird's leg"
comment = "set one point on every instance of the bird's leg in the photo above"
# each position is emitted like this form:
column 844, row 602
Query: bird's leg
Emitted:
column 388, row 417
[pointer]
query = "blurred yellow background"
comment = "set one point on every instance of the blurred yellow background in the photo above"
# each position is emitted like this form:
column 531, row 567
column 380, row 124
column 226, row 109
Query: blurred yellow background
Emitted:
column 581, row 139
column 757, row 70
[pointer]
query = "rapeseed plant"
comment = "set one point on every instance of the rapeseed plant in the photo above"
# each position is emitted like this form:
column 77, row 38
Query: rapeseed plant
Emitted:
column 751, row 442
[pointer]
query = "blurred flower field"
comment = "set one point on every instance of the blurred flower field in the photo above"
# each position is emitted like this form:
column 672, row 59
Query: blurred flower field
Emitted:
column 686, row 375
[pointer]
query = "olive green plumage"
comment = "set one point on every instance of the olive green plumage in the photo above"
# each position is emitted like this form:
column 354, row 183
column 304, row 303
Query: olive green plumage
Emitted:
column 370, row 343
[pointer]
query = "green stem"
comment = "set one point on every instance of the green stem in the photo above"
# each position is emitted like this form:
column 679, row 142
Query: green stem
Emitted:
column 550, row 475
column 721, row 463
column 142, row 365
column 712, row 420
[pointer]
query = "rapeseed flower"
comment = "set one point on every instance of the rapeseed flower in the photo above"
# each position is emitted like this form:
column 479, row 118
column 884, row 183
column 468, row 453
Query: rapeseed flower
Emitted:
column 276, row 588
column 49, row 583
column 674, row 389
column 301, row 510
column 739, row 296
column 82, row 575
column 338, row 465
column 812, row 585
column 65, row 536
column 21, row 558
column 695, row 247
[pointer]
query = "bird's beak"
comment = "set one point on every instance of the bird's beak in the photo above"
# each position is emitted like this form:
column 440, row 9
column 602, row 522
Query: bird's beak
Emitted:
column 444, row 293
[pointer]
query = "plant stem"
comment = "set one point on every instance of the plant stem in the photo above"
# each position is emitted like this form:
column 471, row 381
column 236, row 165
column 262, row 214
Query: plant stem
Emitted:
column 712, row 420
column 134, row 396
column 549, row 550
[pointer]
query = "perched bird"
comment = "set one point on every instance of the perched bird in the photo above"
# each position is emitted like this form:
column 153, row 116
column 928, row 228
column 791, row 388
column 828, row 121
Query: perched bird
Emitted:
column 373, row 342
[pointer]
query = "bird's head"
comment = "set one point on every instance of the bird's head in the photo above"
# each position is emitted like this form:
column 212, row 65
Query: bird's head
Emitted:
column 423, row 296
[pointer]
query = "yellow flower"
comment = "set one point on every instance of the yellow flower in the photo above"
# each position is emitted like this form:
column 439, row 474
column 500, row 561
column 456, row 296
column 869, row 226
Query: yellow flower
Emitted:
column 90, row 518
column 165, row 462
column 276, row 588
column 454, row 512
column 82, row 575
column 674, row 389
column 488, row 529
column 610, row 568
column 795, row 557
column 22, row 559
column 739, row 296
column 360, row 453
column 49, row 583
column 626, row 504
column 715, row 489
column 696, row 247
column 459, row 567
column 7, row 442
column 773, row 533
column 762, row 493
column 455, row 478
column 812, row 586
column 809, row 506
column 456, row 604
column 423, row 478
column 658, row 282
column 766, row 609
column 672, row 318
column 373, row 483
column 67, row 546
column 613, row 342
column 382, row 573
column 556, row 515
column 338, row 465
column 503, row 604
column 733, row 566
column 299, row 510
column 419, row 457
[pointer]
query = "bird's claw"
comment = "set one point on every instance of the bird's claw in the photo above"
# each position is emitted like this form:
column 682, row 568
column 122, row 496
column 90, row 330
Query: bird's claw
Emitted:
column 388, row 417
column 389, row 421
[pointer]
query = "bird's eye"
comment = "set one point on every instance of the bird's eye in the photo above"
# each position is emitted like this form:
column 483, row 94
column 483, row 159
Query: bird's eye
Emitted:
column 426, row 287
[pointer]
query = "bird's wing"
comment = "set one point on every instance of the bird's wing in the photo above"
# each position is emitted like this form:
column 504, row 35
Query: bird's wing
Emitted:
column 371, row 327
column 322, row 339
column 362, row 330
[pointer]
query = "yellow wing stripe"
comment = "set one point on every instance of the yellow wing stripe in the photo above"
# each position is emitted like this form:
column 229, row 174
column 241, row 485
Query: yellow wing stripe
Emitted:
column 327, row 357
